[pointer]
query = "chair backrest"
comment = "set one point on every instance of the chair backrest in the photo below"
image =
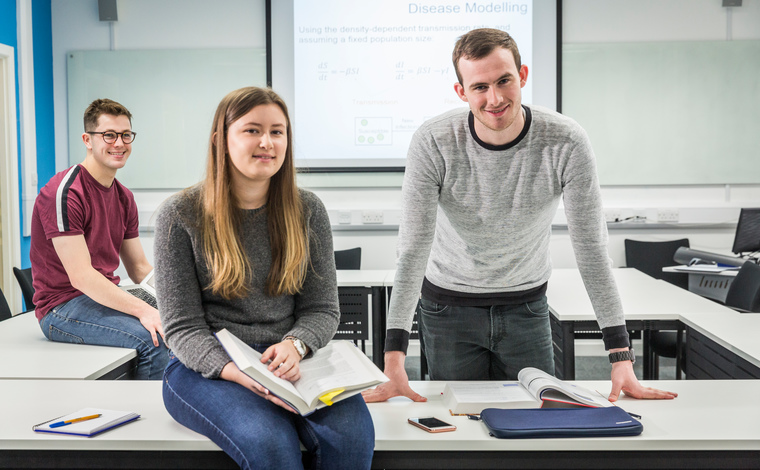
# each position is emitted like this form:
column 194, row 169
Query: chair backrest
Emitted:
column 24, row 278
column 348, row 259
column 5, row 310
column 744, row 292
column 651, row 257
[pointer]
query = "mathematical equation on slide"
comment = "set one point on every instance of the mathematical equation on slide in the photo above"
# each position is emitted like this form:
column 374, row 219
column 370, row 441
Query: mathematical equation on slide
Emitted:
column 400, row 71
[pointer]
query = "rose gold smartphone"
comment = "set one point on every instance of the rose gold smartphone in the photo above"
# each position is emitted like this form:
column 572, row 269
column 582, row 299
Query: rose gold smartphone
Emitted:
column 432, row 424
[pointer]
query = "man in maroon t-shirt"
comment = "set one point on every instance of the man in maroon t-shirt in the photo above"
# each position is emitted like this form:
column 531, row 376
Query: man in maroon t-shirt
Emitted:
column 84, row 222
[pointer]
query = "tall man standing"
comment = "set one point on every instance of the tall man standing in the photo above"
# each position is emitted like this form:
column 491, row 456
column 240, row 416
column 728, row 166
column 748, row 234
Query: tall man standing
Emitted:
column 480, row 191
column 83, row 222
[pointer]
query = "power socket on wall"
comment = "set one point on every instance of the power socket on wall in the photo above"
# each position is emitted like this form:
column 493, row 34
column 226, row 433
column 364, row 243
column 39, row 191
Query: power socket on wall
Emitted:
column 372, row 217
column 667, row 215
column 612, row 215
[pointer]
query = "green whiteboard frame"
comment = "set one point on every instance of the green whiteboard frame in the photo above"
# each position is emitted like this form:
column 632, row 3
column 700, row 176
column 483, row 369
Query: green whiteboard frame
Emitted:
column 172, row 95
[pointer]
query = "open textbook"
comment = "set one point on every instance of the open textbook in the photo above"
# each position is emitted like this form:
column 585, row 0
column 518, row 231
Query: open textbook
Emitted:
column 333, row 373
column 534, row 389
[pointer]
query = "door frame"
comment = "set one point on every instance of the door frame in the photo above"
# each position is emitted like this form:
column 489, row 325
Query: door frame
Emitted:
column 9, row 196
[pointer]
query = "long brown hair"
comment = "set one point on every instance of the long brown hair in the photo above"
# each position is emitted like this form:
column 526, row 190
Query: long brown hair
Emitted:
column 221, row 217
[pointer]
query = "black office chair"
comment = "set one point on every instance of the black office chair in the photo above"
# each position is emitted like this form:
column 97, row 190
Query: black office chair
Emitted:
column 5, row 310
column 353, row 301
column 24, row 278
column 650, row 258
column 348, row 259
column 744, row 292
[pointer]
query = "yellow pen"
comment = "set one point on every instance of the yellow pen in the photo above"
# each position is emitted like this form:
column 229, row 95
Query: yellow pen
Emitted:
column 75, row 420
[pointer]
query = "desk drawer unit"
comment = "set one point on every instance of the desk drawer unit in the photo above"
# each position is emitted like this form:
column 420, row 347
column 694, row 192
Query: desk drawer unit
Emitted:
column 706, row 359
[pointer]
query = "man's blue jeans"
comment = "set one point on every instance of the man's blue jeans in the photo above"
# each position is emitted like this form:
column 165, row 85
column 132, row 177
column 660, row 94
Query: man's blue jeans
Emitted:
column 259, row 434
column 485, row 343
column 81, row 320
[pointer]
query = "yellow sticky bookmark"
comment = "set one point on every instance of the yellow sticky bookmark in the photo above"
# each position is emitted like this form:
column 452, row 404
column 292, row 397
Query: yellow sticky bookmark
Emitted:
column 327, row 397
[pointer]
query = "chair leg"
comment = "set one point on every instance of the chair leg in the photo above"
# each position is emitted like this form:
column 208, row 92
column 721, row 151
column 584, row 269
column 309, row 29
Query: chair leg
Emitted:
column 679, row 353
column 655, row 367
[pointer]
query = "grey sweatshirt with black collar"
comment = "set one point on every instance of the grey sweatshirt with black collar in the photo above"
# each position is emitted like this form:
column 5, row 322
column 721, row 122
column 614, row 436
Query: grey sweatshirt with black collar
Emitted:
column 476, row 218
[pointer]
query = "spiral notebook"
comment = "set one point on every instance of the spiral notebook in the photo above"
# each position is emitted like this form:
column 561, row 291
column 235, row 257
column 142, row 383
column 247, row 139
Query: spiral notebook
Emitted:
column 73, row 424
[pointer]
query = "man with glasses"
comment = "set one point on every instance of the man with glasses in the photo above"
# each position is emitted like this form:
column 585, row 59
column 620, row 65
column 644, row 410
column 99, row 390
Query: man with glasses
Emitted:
column 84, row 222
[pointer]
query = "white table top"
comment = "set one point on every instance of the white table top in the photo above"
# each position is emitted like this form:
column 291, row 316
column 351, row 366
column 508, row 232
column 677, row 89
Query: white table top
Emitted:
column 27, row 354
column 705, row 416
column 646, row 298
column 643, row 297
column 362, row 277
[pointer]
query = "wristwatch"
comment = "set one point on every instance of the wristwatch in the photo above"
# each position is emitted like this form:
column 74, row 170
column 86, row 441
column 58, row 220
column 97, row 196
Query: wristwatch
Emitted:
column 299, row 345
column 623, row 356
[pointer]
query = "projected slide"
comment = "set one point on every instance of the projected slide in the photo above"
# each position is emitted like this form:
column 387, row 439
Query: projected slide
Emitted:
column 367, row 74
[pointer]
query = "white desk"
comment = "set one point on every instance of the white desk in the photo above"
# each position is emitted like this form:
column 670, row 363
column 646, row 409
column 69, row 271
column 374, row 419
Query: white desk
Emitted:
column 703, row 427
column 648, row 304
column 710, row 285
column 27, row 354
column 362, row 277
column 643, row 297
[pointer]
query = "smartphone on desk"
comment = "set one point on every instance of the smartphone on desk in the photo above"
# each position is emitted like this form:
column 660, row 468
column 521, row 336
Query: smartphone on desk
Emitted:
column 432, row 424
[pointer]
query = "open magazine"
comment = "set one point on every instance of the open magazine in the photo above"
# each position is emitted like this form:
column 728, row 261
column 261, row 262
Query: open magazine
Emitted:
column 333, row 373
column 534, row 389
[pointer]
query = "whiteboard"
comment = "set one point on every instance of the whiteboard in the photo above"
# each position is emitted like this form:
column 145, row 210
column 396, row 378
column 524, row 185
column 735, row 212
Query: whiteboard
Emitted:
column 172, row 95
column 667, row 112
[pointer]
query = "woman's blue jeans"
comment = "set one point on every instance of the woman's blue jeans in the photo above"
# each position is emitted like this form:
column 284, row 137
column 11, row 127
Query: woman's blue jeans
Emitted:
column 81, row 320
column 485, row 343
column 259, row 434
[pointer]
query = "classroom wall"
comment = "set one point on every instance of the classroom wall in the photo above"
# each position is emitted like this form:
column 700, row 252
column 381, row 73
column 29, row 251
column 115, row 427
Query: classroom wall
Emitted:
column 707, row 213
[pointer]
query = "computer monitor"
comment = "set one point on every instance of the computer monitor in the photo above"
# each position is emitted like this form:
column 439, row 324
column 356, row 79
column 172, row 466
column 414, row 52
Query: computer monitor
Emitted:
column 747, row 238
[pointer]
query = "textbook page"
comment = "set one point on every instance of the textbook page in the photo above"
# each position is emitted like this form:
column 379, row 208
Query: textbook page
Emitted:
column 337, row 366
column 473, row 397
column 340, row 365
column 546, row 387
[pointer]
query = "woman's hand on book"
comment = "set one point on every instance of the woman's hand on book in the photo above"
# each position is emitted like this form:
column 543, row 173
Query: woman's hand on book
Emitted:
column 233, row 374
column 283, row 359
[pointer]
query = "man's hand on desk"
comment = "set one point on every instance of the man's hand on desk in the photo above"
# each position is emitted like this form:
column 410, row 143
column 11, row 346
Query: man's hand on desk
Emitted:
column 399, row 383
column 624, row 379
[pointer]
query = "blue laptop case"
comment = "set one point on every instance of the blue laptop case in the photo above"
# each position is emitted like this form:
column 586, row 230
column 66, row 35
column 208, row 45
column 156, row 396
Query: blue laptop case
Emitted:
column 560, row 422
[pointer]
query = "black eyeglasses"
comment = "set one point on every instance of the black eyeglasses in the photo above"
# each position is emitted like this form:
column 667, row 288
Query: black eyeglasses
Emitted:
column 110, row 136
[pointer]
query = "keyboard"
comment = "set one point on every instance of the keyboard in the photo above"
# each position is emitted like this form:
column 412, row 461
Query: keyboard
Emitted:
column 144, row 295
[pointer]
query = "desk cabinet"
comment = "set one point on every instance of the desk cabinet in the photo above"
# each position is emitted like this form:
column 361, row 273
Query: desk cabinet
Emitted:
column 706, row 359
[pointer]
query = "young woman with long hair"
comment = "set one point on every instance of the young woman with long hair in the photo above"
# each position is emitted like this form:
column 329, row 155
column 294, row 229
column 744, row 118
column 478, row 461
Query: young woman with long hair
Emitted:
column 249, row 251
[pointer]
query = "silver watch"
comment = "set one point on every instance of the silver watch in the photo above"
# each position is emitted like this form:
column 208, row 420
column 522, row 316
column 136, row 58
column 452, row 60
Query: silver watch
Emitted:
column 299, row 345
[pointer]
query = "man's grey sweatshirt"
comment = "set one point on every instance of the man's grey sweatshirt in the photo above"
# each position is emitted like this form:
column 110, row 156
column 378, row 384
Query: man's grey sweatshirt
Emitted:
column 476, row 218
